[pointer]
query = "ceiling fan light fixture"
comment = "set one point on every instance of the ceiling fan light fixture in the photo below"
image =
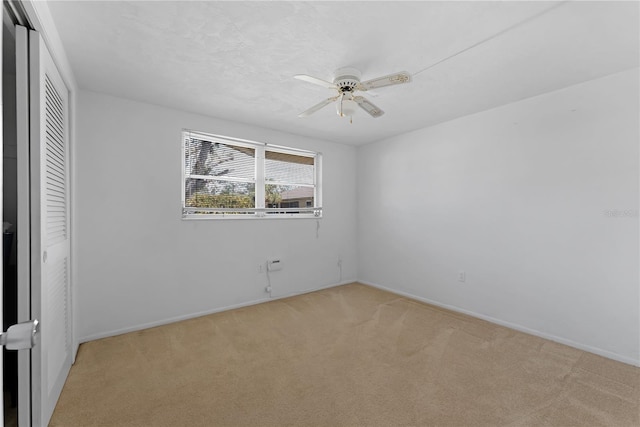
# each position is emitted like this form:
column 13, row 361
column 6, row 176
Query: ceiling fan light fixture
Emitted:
column 347, row 108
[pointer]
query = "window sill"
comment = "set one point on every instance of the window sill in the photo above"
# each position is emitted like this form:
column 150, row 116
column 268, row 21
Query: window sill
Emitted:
column 204, row 217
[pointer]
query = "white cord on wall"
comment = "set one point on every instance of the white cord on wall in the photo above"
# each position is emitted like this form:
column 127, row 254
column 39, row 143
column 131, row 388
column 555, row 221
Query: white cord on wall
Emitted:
column 268, row 288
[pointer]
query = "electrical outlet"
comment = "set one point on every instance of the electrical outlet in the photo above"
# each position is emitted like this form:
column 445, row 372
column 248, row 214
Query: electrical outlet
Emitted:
column 462, row 276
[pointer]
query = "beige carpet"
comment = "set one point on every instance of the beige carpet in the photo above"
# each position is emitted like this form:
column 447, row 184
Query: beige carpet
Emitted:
column 346, row 356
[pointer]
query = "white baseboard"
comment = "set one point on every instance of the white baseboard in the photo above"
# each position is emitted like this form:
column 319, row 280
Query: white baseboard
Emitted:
column 570, row 343
column 202, row 313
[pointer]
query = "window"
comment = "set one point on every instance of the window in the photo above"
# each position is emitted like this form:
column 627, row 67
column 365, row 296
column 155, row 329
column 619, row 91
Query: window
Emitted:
column 227, row 177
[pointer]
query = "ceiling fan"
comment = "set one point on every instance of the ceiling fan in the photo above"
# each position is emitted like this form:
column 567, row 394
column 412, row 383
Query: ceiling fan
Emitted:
column 347, row 82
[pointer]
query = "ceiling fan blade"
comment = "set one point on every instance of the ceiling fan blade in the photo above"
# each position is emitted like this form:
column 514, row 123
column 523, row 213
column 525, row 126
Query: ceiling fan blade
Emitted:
column 367, row 106
column 391, row 79
column 315, row 81
column 318, row 106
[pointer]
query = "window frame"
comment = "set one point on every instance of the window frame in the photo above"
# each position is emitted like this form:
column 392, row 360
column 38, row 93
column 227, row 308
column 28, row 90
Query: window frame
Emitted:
column 260, row 211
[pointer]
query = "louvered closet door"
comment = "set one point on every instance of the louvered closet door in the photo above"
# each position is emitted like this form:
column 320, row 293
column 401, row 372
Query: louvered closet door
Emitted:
column 50, row 291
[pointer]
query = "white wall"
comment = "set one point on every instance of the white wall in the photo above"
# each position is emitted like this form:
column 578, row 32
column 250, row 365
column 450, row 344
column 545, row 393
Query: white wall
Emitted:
column 139, row 264
column 537, row 201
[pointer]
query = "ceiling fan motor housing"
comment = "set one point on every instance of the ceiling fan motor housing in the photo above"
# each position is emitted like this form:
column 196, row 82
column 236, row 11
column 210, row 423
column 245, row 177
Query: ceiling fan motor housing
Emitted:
column 347, row 79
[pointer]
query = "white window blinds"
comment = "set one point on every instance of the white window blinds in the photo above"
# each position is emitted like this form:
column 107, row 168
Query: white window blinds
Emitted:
column 236, row 178
column 289, row 180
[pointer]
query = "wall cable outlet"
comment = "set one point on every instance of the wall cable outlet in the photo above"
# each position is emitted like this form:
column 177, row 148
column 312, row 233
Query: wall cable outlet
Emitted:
column 274, row 265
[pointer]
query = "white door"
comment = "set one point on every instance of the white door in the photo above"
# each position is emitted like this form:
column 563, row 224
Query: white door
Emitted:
column 23, row 236
column 1, row 267
column 48, row 210
column 50, row 251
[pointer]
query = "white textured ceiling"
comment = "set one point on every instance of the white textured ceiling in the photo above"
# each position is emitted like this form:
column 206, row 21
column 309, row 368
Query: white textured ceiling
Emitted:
column 235, row 60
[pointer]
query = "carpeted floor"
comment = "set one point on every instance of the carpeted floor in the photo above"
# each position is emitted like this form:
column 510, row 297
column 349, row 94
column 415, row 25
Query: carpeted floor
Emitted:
column 347, row 356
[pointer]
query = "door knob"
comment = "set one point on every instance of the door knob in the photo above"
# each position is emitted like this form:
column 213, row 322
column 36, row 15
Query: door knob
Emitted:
column 20, row 336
